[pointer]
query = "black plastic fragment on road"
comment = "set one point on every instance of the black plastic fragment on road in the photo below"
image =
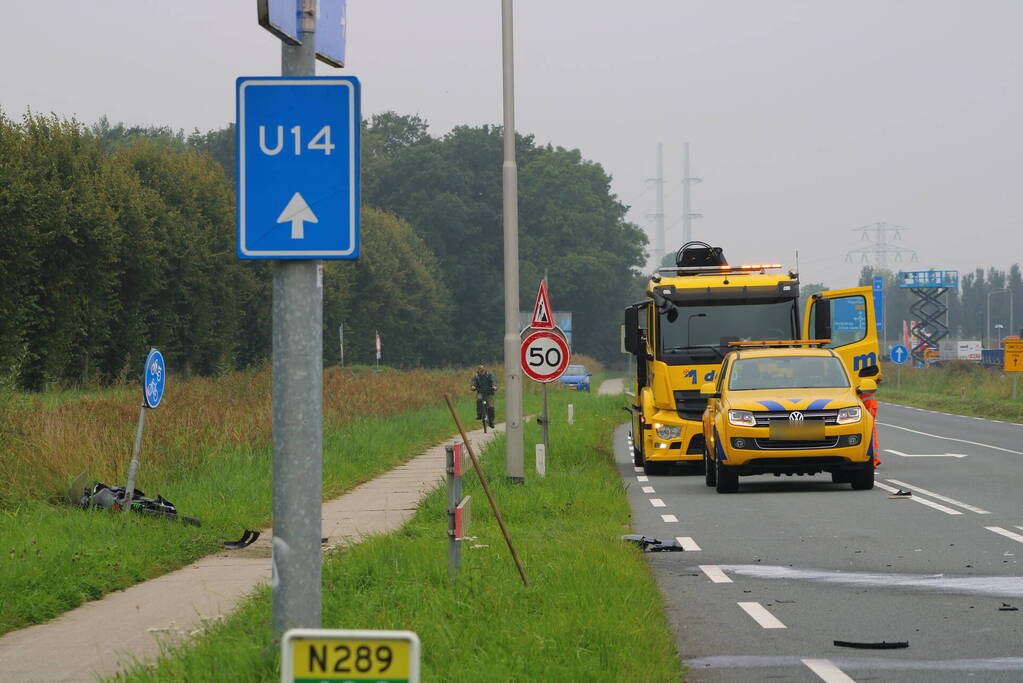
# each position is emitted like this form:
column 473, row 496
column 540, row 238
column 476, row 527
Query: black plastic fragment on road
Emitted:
column 883, row 645
column 653, row 545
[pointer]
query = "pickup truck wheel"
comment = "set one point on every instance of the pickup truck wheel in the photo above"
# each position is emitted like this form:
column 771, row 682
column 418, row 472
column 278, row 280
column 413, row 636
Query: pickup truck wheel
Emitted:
column 727, row 481
column 864, row 479
column 709, row 474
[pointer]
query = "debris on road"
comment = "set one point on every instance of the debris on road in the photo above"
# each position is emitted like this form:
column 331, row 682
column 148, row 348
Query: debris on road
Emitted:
column 654, row 545
column 883, row 645
column 900, row 494
column 247, row 539
column 1006, row 607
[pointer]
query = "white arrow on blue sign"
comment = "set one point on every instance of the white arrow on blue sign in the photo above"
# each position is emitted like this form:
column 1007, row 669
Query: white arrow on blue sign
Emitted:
column 298, row 167
column 899, row 354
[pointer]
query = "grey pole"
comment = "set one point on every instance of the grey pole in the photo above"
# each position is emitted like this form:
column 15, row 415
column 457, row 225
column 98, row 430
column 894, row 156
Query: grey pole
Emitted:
column 687, row 211
column 660, row 240
column 514, row 468
column 133, row 466
column 297, row 408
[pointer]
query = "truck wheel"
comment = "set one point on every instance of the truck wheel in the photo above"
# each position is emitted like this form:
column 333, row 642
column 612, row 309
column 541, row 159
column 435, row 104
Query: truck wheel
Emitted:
column 709, row 473
column 863, row 480
column 727, row 481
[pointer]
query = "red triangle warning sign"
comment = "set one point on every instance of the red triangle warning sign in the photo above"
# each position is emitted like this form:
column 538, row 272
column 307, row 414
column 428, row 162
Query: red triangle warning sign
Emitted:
column 543, row 316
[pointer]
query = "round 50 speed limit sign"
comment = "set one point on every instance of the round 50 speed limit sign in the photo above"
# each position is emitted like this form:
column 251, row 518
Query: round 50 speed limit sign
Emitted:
column 544, row 355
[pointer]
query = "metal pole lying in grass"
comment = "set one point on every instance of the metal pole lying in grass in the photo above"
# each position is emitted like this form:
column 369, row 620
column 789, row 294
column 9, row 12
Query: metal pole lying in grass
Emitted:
column 486, row 490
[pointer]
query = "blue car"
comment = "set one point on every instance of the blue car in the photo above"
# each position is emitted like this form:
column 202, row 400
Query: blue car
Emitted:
column 575, row 378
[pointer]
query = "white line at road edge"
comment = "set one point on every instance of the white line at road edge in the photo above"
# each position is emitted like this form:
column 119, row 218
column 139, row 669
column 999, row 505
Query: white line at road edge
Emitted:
column 938, row 496
column 949, row 438
column 657, row 502
column 642, row 477
column 922, row 501
column 1005, row 532
column 714, row 573
column 687, row 543
column 761, row 615
column 827, row 671
column 670, row 519
column 648, row 489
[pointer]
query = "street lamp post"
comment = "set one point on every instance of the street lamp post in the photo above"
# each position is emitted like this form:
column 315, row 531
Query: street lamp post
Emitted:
column 987, row 325
column 999, row 327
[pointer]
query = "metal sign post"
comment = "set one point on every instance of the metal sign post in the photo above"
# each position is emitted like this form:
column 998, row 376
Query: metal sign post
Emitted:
column 154, row 380
column 336, row 655
column 458, row 508
column 298, row 202
column 899, row 355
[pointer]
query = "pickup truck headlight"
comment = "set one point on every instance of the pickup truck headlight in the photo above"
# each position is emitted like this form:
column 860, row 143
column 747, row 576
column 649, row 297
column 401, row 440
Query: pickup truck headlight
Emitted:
column 668, row 432
column 849, row 415
column 742, row 418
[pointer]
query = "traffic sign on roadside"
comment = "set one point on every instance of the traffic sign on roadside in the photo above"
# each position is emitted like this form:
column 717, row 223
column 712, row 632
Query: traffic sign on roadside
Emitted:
column 298, row 167
column 1013, row 355
column 544, row 355
column 154, row 379
column 899, row 354
column 543, row 316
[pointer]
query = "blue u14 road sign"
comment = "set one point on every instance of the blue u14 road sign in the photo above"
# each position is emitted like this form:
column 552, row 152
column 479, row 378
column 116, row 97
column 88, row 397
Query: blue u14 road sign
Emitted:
column 298, row 167
column 899, row 354
column 154, row 379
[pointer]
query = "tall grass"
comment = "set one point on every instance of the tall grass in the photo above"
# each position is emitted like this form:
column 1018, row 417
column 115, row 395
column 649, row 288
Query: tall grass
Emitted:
column 957, row 387
column 591, row 613
column 207, row 449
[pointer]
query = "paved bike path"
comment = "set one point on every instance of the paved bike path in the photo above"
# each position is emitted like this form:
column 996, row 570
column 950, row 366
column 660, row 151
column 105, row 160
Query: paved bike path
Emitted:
column 103, row 636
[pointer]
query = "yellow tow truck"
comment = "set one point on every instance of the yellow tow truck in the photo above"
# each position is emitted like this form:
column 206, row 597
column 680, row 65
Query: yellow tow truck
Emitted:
column 684, row 329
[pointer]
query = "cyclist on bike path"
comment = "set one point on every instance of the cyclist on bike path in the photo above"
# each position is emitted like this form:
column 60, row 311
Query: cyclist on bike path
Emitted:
column 485, row 386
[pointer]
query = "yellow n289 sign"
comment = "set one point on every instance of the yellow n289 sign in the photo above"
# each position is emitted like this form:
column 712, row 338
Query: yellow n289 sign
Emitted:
column 329, row 655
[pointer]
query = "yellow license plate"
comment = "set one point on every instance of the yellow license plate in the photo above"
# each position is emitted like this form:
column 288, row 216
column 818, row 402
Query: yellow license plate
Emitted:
column 315, row 660
column 808, row 431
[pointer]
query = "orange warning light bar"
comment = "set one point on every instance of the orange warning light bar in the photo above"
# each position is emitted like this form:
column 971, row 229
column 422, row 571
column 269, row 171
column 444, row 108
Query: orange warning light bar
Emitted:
column 760, row 266
column 788, row 342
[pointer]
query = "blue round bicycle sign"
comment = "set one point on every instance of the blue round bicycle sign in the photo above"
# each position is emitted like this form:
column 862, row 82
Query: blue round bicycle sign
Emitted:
column 154, row 378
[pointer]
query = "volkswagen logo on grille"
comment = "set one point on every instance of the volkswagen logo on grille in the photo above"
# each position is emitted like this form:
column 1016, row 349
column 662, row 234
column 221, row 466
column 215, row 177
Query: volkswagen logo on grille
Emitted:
column 795, row 416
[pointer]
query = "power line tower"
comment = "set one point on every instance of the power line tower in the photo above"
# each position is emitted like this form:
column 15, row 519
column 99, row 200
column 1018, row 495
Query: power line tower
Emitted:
column 658, row 216
column 687, row 180
column 877, row 253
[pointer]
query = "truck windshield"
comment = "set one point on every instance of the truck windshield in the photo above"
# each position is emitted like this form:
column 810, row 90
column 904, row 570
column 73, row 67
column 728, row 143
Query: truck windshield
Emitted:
column 700, row 334
column 788, row 372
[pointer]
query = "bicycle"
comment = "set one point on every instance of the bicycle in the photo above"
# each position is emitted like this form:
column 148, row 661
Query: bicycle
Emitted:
column 486, row 412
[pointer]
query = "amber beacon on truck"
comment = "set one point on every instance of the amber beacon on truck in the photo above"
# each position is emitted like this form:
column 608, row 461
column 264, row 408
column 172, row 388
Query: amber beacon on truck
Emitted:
column 680, row 334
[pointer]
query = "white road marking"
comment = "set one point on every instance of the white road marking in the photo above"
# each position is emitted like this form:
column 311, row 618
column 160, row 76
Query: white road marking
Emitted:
column 657, row 502
column 761, row 615
column 638, row 469
column 1005, row 532
column 922, row 501
column 642, row 477
column 925, row 455
column 938, row 496
column 827, row 671
column 649, row 489
column 670, row 519
column 949, row 438
column 714, row 573
column 687, row 543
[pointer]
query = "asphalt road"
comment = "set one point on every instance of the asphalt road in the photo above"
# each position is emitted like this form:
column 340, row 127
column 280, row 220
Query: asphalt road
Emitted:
column 774, row 574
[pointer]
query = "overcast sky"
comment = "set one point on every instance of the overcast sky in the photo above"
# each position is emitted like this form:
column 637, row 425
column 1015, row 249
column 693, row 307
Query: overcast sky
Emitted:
column 806, row 118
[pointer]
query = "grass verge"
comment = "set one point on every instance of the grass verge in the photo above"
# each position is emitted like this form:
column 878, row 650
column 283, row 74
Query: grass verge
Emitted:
column 961, row 387
column 55, row 557
column 592, row 611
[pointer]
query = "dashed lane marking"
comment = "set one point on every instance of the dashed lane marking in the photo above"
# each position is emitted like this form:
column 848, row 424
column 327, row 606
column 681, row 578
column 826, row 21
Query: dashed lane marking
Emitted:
column 642, row 477
column 761, row 615
column 687, row 543
column 649, row 489
column 827, row 671
column 938, row 496
column 670, row 519
column 1005, row 532
column 657, row 502
column 714, row 573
